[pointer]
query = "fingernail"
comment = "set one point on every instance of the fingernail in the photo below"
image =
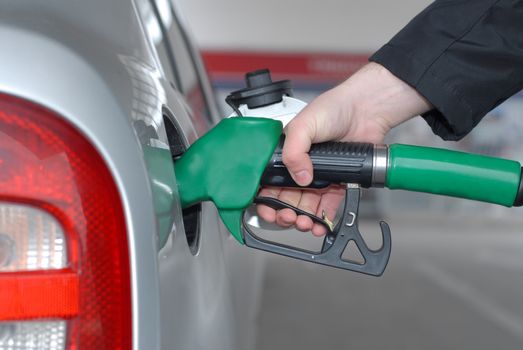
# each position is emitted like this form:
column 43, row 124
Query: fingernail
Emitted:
column 303, row 177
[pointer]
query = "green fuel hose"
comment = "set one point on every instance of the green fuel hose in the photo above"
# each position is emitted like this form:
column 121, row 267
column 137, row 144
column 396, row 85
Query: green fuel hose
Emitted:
column 453, row 173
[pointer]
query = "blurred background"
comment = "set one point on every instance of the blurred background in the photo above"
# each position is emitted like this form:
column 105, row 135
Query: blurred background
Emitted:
column 455, row 275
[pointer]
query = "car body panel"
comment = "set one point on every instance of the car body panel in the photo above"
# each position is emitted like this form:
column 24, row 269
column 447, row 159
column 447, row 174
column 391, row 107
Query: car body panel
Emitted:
column 94, row 63
column 42, row 63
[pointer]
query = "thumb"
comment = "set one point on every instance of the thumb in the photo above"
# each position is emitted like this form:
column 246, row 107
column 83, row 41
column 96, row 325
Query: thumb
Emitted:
column 299, row 134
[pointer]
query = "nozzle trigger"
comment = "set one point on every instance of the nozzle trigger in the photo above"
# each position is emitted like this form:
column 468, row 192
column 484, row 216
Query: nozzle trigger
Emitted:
column 335, row 242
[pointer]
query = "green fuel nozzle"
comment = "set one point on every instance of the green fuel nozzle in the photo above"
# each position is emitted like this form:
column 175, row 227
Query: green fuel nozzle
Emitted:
column 229, row 163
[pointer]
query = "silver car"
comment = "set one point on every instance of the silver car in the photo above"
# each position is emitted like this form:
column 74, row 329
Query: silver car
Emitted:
column 96, row 100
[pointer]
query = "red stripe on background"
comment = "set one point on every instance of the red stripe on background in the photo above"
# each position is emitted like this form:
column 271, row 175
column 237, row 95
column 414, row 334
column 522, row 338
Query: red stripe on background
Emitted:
column 39, row 294
column 305, row 65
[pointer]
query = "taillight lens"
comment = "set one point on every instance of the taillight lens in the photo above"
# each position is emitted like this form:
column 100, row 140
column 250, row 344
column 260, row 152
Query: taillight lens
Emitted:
column 30, row 239
column 64, row 264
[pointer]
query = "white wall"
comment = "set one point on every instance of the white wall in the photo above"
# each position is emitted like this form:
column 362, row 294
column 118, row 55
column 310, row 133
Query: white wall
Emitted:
column 293, row 25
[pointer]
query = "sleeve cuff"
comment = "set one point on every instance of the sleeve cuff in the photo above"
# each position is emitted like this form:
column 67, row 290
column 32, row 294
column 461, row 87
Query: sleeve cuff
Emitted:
column 450, row 119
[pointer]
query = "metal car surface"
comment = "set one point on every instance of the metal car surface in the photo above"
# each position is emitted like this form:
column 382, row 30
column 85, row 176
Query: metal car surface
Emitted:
column 114, row 70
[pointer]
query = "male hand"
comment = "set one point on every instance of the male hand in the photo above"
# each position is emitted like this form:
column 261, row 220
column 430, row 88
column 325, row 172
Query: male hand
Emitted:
column 363, row 108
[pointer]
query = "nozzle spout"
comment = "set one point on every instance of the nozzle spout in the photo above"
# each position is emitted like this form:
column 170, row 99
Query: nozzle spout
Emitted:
column 225, row 166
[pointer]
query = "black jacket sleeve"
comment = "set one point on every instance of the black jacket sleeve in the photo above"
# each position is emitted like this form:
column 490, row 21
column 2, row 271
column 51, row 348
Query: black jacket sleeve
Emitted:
column 464, row 56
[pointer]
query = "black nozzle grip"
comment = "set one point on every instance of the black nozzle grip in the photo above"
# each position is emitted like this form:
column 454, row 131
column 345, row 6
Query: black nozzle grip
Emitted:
column 333, row 163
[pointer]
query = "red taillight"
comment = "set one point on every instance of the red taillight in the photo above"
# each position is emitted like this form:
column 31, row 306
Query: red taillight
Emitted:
column 48, row 168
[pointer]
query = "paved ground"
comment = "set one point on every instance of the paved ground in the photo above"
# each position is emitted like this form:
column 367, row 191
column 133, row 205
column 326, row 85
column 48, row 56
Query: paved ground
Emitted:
column 448, row 286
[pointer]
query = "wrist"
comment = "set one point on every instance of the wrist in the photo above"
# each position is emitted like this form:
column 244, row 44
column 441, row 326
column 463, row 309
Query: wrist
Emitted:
column 379, row 97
